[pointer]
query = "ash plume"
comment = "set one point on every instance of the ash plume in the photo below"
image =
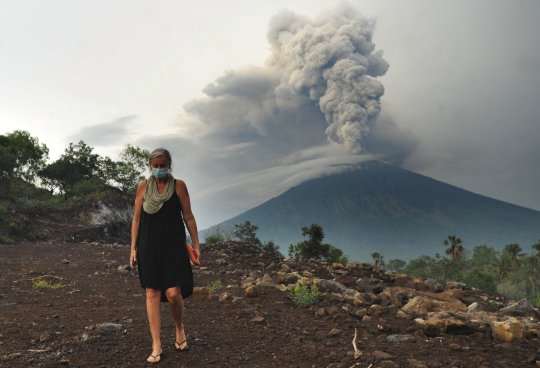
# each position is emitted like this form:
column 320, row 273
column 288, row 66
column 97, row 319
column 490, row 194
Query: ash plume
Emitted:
column 318, row 85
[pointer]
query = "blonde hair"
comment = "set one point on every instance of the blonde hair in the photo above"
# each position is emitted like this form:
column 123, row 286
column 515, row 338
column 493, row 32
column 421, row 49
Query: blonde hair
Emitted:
column 157, row 153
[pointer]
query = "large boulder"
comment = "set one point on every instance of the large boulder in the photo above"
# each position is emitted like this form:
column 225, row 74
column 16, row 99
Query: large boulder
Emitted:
column 450, row 323
column 422, row 305
column 345, row 280
column 366, row 299
column 393, row 297
column 286, row 279
column 331, row 286
column 509, row 330
column 370, row 285
column 407, row 281
column 521, row 309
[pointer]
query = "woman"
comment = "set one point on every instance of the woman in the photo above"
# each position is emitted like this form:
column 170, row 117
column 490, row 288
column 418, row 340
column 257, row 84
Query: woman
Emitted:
column 158, row 241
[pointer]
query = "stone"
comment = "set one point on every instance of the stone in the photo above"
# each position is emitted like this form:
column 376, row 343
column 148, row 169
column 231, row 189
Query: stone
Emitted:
column 281, row 287
column 109, row 326
column 288, row 260
column 376, row 310
column 65, row 261
column 225, row 296
column 321, row 312
column 345, row 280
column 402, row 315
column 406, row 281
column 381, row 355
column 472, row 307
column 44, row 337
column 331, row 286
column 476, row 360
column 509, row 330
column 371, row 285
column 289, row 278
column 520, row 309
column 532, row 358
column 388, row 364
column 366, row 318
column 422, row 305
column 455, row 285
column 351, row 294
column 334, row 332
column 413, row 363
column 285, row 268
column 399, row 338
column 455, row 347
column 429, row 285
column 259, row 320
column 360, row 312
column 333, row 310
column 9, row 305
column 366, row 299
column 450, row 323
column 307, row 274
column 221, row 261
column 200, row 295
column 393, row 297
column 252, row 291
column 123, row 268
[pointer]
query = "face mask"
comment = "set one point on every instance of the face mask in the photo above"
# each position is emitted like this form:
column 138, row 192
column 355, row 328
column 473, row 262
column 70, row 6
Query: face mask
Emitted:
column 160, row 173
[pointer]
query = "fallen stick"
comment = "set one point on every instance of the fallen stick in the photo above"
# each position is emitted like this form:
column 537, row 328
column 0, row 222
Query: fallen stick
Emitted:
column 35, row 278
column 72, row 291
column 357, row 353
column 36, row 351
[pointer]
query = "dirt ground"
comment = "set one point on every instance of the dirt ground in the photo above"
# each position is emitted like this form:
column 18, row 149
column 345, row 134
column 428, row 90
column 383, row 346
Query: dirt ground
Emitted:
column 45, row 328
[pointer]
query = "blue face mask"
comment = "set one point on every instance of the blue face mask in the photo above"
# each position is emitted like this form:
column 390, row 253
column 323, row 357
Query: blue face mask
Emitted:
column 160, row 173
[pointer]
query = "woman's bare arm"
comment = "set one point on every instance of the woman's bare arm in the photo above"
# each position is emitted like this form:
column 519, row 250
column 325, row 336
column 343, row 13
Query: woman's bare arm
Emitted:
column 189, row 219
column 135, row 223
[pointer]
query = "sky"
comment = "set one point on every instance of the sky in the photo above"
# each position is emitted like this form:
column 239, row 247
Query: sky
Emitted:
column 252, row 97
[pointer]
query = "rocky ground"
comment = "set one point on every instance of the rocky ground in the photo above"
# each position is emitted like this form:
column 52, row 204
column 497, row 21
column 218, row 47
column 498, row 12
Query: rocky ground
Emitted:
column 98, row 317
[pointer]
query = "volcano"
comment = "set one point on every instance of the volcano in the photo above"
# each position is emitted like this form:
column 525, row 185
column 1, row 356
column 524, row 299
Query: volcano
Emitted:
column 377, row 207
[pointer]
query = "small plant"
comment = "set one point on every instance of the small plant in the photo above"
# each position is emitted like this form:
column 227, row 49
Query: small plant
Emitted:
column 304, row 296
column 46, row 285
column 220, row 252
column 214, row 285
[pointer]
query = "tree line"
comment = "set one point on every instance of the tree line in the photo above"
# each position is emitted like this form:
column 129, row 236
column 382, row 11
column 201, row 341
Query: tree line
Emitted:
column 23, row 157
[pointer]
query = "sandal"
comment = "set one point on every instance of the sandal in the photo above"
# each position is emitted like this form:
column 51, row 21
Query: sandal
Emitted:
column 178, row 344
column 158, row 357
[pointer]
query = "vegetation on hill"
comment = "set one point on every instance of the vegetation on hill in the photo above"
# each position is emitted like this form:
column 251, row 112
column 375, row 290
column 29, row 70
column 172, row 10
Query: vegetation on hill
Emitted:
column 29, row 184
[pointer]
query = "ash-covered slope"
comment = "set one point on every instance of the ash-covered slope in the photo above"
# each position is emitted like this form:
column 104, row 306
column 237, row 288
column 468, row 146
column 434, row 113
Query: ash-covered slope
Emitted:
column 401, row 214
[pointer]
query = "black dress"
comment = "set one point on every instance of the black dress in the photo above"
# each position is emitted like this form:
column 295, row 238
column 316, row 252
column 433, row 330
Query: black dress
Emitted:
column 161, row 250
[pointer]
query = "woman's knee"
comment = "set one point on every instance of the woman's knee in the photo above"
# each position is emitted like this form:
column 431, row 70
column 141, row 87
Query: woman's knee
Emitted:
column 153, row 293
column 173, row 294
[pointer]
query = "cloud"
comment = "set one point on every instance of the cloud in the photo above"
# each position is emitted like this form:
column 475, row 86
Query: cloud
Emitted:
column 105, row 134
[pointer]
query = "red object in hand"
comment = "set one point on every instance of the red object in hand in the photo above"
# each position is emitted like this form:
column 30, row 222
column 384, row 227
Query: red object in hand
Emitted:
column 192, row 255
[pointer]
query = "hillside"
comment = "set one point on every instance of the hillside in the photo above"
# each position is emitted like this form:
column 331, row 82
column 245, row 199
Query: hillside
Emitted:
column 396, row 212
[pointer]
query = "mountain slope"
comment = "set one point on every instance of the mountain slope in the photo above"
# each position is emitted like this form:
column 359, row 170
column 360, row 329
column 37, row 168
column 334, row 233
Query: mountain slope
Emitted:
column 401, row 214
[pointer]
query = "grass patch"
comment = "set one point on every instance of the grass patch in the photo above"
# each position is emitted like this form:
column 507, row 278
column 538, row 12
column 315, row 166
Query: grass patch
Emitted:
column 214, row 285
column 41, row 284
column 220, row 252
column 304, row 296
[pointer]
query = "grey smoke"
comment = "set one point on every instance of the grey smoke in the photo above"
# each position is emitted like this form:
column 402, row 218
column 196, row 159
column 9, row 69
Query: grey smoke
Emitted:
column 105, row 134
column 319, row 84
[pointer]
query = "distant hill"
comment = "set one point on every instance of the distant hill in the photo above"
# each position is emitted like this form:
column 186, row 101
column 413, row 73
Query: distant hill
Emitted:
column 396, row 212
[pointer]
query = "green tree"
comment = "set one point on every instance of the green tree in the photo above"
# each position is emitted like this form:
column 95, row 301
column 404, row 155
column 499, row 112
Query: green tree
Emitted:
column 483, row 256
column 315, row 248
column 396, row 265
column 76, row 164
column 378, row 260
column 21, row 156
column 271, row 247
column 536, row 247
column 455, row 247
column 247, row 233
column 514, row 252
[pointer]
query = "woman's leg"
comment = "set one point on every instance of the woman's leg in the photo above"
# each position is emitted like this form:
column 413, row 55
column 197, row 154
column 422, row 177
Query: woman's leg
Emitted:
column 176, row 303
column 153, row 301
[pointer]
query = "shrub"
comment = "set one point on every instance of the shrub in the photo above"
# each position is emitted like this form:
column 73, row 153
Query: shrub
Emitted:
column 314, row 247
column 214, row 285
column 304, row 296
column 247, row 233
column 212, row 239
column 269, row 246
column 218, row 233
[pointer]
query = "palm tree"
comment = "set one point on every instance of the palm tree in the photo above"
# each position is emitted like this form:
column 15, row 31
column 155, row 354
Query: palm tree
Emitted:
column 379, row 260
column 536, row 247
column 531, row 268
column 455, row 247
column 513, row 250
column 503, row 268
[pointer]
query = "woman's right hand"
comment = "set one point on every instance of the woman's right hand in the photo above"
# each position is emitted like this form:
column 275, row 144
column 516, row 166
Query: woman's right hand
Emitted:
column 132, row 258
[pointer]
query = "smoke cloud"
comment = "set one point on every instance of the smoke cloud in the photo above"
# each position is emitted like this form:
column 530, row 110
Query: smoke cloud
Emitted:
column 318, row 85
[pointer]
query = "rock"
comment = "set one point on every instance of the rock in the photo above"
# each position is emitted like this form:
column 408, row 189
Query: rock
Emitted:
column 388, row 364
column 533, row 358
column 331, row 286
column 455, row 347
column 334, row 332
column 371, row 285
column 288, row 260
column 381, row 355
column 393, row 297
column 252, row 291
column 225, row 296
column 285, row 268
column 258, row 320
column 9, row 305
column 455, row 285
column 307, row 274
column 521, row 309
column 321, row 312
column 44, row 337
column 65, row 261
column 403, row 315
column 123, row 268
column 421, row 306
column 221, row 261
column 406, row 281
column 345, row 280
column 366, row 299
column 287, row 279
column 360, row 313
column 109, row 326
column 351, row 294
column 376, row 310
column 452, row 324
column 238, row 271
column 432, row 285
column 476, row 360
column 509, row 330
column 413, row 363
column 366, row 318
column 281, row 287
column 200, row 295
column 399, row 338
column 472, row 307
column 84, row 337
